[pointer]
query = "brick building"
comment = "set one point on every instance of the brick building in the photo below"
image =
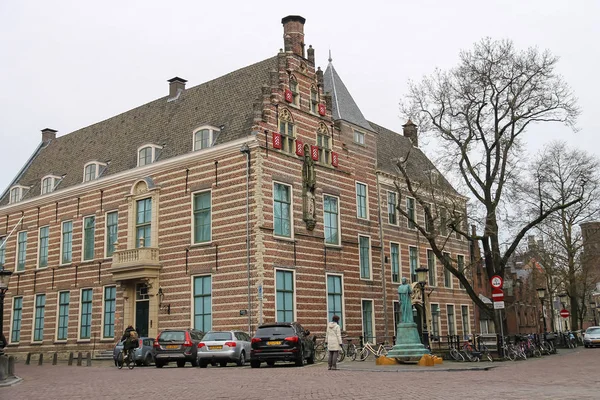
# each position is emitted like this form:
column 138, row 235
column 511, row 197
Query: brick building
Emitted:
column 261, row 195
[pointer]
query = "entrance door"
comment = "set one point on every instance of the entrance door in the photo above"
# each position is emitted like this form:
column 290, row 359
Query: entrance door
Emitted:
column 142, row 309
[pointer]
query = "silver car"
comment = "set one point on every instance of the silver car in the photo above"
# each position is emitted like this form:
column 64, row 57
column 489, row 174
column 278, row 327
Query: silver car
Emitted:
column 224, row 347
column 592, row 336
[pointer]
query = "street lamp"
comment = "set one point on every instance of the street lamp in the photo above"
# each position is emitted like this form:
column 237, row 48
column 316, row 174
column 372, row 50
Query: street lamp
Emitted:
column 422, row 279
column 4, row 279
column 541, row 293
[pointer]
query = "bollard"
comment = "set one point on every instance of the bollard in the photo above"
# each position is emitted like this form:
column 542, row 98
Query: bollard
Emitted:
column 41, row 359
column 79, row 359
column 28, row 359
column 55, row 358
column 88, row 359
column 11, row 366
column 70, row 358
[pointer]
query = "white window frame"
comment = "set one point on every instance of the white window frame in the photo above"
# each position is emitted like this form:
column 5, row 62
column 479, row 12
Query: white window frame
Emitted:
column 460, row 286
column 343, row 316
column 97, row 174
column 17, row 271
column 295, row 290
column 21, row 192
column 446, row 271
column 359, row 137
column 468, row 320
column 34, row 318
column 106, row 232
column 448, row 319
column 193, row 305
column 356, row 183
column 154, row 147
column 80, row 302
column 116, row 334
column 434, row 283
column 291, row 188
column 193, row 220
column 437, row 317
column 395, row 205
column 339, row 220
column 57, row 318
column 53, row 181
column 410, row 272
column 83, row 259
column 39, row 247
column 415, row 217
column 12, row 318
column 399, row 263
column 62, row 226
column 372, row 319
column 212, row 133
column 370, row 278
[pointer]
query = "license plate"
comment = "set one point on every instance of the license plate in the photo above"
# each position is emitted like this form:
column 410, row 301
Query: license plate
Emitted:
column 274, row 343
column 172, row 347
column 215, row 347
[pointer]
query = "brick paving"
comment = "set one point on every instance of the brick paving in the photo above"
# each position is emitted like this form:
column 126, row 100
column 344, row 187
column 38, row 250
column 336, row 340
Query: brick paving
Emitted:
column 569, row 375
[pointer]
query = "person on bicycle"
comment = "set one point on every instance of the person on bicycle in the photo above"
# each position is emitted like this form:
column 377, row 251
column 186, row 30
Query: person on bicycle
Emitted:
column 130, row 340
column 333, row 338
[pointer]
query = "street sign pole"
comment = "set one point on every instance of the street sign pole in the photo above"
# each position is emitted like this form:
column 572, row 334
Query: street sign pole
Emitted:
column 501, row 331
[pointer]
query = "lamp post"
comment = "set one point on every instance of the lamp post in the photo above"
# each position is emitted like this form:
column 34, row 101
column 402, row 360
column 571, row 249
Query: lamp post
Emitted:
column 4, row 279
column 541, row 293
column 422, row 279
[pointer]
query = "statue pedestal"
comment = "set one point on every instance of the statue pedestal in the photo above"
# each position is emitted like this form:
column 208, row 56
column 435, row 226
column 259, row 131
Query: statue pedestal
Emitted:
column 408, row 346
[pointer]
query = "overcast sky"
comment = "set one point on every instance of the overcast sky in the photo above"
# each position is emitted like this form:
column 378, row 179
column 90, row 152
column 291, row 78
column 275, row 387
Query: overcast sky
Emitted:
column 68, row 64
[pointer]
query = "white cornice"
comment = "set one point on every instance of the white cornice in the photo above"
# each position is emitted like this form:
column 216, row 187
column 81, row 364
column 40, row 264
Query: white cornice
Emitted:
column 138, row 172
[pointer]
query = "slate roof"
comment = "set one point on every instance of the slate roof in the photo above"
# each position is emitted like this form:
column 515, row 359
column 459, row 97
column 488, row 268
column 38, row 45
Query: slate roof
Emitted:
column 391, row 146
column 226, row 101
column 343, row 105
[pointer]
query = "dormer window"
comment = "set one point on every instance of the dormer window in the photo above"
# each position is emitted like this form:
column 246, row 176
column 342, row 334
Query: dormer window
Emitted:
column 49, row 183
column 147, row 154
column 204, row 137
column 295, row 91
column 359, row 137
column 91, row 171
column 16, row 194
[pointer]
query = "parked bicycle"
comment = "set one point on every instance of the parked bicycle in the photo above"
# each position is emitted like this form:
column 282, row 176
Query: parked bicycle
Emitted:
column 368, row 349
column 321, row 351
column 455, row 354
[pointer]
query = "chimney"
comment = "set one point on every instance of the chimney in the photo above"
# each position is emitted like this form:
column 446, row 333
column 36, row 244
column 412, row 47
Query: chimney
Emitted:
column 176, row 86
column 293, row 34
column 410, row 131
column 48, row 135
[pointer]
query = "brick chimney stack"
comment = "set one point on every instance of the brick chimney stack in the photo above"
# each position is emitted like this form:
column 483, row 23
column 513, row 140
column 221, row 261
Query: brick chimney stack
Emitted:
column 410, row 131
column 293, row 34
column 48, row 135
column 176, row 85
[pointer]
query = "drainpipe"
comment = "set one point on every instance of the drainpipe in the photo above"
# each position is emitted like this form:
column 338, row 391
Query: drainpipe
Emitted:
column 246, row 150
column 383, row 274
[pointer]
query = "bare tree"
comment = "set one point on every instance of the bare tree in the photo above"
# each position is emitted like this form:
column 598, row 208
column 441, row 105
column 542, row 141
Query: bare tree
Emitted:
column 479, row 111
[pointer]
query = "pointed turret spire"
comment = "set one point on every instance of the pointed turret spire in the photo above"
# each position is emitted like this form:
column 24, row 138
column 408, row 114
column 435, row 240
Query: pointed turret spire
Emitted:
column 330, row 59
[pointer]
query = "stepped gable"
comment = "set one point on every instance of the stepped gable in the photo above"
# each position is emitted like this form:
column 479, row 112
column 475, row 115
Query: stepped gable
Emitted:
column 391, row 146
column 225, row 101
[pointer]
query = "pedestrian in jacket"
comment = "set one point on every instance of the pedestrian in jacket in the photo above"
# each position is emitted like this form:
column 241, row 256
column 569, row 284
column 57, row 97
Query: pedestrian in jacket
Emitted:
column 333, row 339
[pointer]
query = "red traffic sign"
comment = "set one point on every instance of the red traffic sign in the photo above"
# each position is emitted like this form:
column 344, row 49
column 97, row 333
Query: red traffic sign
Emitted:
column 496, row 281
column 497, row 294
column 565, row 313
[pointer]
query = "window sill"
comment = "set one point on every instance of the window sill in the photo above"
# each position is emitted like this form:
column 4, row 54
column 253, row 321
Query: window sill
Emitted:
column 36, row 343
column 19, row 272
column 60, row 341
column 334, row 246
column 284, row 238
column 65, row 264
column 366, row 280
column 41, row 268
column 13, row 344
column 87, row 262
column 84, row 340
column 107, row 340
column 202, row 244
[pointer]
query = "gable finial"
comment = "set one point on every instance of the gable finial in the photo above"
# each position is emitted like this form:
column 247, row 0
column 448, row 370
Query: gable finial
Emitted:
column 330, row 59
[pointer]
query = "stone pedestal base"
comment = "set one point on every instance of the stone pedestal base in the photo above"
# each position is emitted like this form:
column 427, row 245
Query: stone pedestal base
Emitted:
column 408, row 348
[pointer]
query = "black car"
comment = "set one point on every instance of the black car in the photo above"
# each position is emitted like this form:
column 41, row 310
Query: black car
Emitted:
column 179, row 345
column 284, row 341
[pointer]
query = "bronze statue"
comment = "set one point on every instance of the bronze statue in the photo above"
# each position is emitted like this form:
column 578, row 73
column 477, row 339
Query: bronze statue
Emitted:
column 404, row 295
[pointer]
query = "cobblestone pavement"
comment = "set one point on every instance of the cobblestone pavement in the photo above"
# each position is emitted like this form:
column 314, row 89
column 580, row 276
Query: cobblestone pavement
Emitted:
column 569, row 375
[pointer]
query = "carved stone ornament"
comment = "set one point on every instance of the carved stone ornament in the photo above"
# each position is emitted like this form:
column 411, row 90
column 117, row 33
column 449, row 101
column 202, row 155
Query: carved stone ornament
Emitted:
column 309, row 179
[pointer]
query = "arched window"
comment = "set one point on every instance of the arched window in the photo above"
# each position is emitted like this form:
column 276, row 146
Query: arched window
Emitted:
column 16, row 193
column 295, row 90
column 91, row 170
column 204, row 137
column 147, row 154
column 49, row 183
column 324, row 144
column 287, row 131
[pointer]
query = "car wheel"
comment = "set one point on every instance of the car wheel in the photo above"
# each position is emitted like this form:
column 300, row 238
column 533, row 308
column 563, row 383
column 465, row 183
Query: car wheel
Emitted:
column 242, row 360
column 138, row 363
column 300, row 360
column 223, row 364
column 270, row 363
column 180, row 364
column 203, row 364
column 194, row 363
column 159, row 364
column 255, row 364
column 148, row 359
column 311, row 358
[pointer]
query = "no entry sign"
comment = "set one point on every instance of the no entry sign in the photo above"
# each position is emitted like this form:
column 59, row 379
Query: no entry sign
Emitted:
column 565, row 313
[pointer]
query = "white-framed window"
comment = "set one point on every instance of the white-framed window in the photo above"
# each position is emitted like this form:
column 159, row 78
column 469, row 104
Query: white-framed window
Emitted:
column 460, row 265
column 362, row 200
column 466, row 321
column 364, row 249
column 49, row 183
column 43, row 246
column 287, row 130
column 40, row 313
column 2, row 251
column 395, row 261
column 324, row 144
column 314, row 100
column 443, row 222
column 143, row 223
column 91, row 170
column 108, row 312
column 391, row 207
column 62, row 327
column 85, row 314
column 282, row 210
column 435, row 320
column 368, row 320
column 397, row 315
column 359, row 137
column 294, row 88
column 21, row 251
column 16, row 318
column 202, row 292
column 428, row 218
column 66, row 243
column 451, row 320
column 284, row 295
column 112, row 232
column 335, row 298
column 413, row 262
column 447, row 273
column 16, row 194
column 331, row 220
column 431, row 268
column 204, row 137
column 411, row 211
column 202, row 210
column 89, row 236
column 147, row 154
